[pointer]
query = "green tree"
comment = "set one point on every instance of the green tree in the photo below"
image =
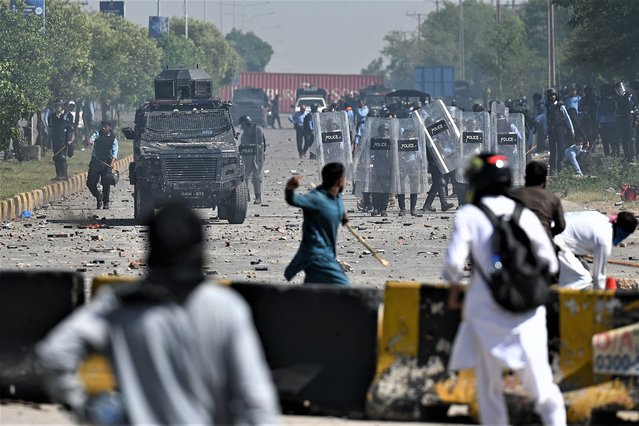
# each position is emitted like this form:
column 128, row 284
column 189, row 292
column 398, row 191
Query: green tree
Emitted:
column 25, row 67
column 68, row 39
column 605, row 39
column 125, row 61
column 222, row 60
column 376, row 67
column 180, row 52
column 255, row 52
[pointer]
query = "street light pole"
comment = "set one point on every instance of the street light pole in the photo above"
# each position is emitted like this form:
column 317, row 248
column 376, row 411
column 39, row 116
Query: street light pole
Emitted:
column 462, row 71
column 158, row 14
column 186, row 20
column 551, row 45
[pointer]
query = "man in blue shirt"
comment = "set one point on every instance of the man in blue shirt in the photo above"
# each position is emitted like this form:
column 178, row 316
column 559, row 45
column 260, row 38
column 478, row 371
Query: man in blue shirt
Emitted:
column 105, row 152
column 360, row 117
column 323, row 212
column 298, row 122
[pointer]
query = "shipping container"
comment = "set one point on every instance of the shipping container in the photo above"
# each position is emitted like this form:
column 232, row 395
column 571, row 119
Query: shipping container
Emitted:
column 286, row 84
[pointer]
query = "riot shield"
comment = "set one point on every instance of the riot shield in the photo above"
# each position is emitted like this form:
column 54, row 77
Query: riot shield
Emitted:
column 333, row 140
column 376, row 164
column 411, row 156
column 496, row 108
column 475, row 138
column 442, row 135
column 509, row 136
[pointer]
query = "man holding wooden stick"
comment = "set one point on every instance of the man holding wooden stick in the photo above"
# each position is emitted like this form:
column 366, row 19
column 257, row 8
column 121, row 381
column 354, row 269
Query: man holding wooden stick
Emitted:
column 323, row 213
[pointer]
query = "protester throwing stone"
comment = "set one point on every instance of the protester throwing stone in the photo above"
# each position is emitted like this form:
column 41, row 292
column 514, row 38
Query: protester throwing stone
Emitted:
column 323, row 212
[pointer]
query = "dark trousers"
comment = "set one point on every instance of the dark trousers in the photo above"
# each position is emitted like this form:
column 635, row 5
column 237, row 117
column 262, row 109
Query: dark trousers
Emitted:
column 309, row 138
column 60, row 160
column 609, row 139
column 275, row 117
column 627, row 137
column 96, row 174
column 556, row 146
column 438, row 188
column 401, row 201
column 299, row 137
column 380, row 201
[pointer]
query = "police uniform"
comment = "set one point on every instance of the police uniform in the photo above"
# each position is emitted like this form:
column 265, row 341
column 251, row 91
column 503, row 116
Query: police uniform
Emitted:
column 105, row 150
column 61, row 130
column 253, row 149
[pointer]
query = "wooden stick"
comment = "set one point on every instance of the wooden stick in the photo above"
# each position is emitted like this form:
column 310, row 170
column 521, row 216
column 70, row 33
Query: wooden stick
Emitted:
column 617, row 262
column 385, row 263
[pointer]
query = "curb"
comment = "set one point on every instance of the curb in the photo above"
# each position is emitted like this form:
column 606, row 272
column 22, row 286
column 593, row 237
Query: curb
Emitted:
column 12, row 208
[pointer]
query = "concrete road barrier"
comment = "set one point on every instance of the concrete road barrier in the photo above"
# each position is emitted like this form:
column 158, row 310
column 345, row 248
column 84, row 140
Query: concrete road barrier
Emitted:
column 31, row 304
column 320, row 343
column 411, row 382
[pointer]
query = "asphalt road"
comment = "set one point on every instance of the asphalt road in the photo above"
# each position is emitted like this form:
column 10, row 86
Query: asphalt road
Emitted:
column 62, row 237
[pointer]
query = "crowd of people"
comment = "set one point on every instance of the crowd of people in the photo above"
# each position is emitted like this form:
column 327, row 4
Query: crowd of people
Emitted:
column 171, row 369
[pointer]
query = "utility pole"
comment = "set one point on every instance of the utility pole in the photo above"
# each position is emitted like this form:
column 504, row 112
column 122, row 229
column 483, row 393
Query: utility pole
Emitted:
column 204, row 2
column 186, row 21
column 551, row 45
column 462, row 71
column 419, row 20
column 158, row 14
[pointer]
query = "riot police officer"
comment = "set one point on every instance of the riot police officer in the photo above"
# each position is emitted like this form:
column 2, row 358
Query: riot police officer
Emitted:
column 252, row 149
column 60, row 125
column 626, row 109
column 105, row 152
column 558, row 123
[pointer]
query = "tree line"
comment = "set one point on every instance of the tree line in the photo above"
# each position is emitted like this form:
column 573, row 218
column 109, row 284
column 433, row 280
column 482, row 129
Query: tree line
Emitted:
column 596, row 41
column 72, row 55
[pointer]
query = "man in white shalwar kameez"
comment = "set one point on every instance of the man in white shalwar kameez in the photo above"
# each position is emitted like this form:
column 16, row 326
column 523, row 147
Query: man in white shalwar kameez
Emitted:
column 490, row 338
column 590, row 233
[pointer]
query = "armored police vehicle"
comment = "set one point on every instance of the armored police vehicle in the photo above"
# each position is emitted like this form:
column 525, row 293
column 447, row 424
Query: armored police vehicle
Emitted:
column 184, row 148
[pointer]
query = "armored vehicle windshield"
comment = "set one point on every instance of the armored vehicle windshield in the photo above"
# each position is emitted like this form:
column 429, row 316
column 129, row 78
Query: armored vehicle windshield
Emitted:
column 188, row 126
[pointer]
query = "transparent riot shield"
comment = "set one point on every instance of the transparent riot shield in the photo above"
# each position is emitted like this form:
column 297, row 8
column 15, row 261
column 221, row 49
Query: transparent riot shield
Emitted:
column 411, row 155
column 442, row 135
column 376, row 164
column 509, row 135
column 333, row 140
column 496, row 108
column 475, row 138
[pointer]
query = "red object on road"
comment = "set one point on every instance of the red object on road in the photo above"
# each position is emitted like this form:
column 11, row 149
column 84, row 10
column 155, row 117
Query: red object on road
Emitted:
column 611, row 283
column 286, row 84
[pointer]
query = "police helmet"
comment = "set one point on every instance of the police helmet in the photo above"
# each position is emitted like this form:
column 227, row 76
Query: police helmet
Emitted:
column 489, row 171
column 245, row 120
column 58, row 102
column 383, row 126
column 551, row 91
column 620, row 88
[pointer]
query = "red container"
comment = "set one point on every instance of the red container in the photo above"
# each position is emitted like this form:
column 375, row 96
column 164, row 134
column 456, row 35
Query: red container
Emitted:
column 286, row 84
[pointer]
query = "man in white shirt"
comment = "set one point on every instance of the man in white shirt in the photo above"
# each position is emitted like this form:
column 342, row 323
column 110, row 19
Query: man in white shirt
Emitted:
column 590, row 233
column 490, row 338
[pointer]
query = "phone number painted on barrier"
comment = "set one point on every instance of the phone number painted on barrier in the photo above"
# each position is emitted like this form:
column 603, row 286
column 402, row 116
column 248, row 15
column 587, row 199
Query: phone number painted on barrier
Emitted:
column 617, row 351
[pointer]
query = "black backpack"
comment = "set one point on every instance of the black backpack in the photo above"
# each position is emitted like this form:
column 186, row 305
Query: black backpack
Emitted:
column 519, row 280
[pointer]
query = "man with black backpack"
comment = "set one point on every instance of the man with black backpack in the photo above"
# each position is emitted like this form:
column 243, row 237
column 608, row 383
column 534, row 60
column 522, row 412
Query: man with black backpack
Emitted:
column 504, row 324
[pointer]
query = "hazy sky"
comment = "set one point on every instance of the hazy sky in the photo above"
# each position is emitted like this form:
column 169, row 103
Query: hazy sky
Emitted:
column 339, row 37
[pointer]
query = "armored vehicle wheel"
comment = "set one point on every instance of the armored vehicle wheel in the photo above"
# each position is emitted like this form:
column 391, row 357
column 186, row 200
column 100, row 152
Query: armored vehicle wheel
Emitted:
column 222, row 211
column 143, row 204
column 235, row 208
